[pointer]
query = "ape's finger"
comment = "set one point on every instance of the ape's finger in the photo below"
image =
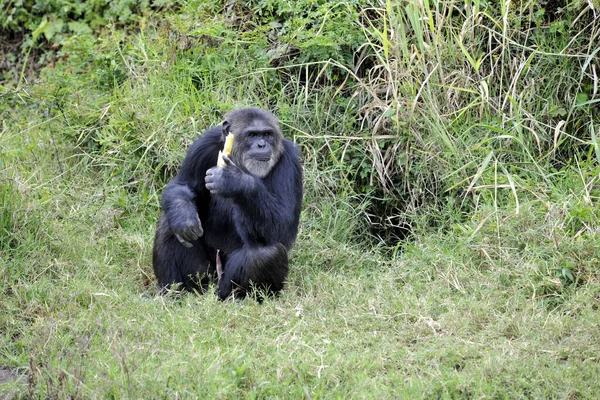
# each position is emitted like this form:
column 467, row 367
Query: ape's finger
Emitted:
column 228, row 161
column 189, row 234
column 198, row 231
column 184, row 242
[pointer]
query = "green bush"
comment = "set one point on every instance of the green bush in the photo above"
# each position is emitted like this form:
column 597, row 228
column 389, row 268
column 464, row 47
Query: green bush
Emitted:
column 45, row 25
column 57, row 20
column 421, row 110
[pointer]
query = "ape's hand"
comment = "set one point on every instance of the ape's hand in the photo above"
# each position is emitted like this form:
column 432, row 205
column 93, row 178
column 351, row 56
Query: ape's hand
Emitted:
column 227, row 181
column 187, row 229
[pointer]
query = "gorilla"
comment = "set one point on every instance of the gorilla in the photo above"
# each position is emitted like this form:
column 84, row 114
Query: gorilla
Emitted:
column 237, row 222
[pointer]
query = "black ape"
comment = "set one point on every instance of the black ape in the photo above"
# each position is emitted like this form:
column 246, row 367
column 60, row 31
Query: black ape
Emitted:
column 243, row 216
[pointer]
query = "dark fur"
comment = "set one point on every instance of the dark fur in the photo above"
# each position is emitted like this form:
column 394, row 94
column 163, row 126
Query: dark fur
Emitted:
column 250, row 213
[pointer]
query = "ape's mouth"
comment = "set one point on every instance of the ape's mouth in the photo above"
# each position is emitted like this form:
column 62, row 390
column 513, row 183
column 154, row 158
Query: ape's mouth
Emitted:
column 261, row 157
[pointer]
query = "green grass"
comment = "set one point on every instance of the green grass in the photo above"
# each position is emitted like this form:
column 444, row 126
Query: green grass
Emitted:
column 473, row 133
column 443, row 320
column 478, row 312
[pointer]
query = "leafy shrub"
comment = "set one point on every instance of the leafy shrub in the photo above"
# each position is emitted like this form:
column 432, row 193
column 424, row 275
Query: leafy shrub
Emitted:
column 439, row 129
column 47, row 24
column 422, row 110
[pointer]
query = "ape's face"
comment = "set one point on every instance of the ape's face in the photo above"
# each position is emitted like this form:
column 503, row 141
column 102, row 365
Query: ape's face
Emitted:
column 258, row 141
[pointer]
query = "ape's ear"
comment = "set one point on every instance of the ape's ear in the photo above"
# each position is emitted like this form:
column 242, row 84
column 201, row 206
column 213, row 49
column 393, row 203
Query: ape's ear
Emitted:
column 225, row 129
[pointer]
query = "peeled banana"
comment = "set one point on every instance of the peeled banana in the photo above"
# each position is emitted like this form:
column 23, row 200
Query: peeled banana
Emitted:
column 226, row 150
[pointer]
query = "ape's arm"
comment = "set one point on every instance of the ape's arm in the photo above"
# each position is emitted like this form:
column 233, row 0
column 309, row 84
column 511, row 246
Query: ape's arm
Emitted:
column 186, row 190
column 178, row 205
column 267, row 210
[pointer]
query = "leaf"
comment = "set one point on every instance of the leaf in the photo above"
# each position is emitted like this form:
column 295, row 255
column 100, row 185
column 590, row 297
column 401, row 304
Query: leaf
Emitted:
column 581, row 98
column 40, row 29
column 53, row 28
column 79, row 28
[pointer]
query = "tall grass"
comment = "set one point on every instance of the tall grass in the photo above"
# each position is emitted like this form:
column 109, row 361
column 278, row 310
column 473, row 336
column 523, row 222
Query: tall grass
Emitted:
column 470, row 100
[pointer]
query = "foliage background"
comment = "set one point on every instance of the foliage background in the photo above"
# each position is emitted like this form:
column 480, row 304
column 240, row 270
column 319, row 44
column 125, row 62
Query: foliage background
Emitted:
column 448, row 243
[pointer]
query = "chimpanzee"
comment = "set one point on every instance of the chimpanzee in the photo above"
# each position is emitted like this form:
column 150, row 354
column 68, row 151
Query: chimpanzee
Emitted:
column 239, row 220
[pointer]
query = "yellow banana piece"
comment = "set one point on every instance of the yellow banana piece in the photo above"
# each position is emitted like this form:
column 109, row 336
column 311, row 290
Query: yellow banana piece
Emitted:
column 226, row 150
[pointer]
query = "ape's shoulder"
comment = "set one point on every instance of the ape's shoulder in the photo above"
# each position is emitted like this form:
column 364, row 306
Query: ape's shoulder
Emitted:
column 211, row 140
column 201, row 156
column 288, row 170
column 291, row 150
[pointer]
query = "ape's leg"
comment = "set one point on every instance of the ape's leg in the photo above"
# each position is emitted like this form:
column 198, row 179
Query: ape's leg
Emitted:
column 266, row 267
column 175, row 264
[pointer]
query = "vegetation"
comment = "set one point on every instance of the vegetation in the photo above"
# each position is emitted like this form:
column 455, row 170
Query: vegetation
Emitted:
column 449, row 238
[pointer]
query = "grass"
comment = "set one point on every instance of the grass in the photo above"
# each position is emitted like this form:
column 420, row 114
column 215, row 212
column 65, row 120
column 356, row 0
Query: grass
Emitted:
column 444, row 136
column 468, row 314
column 443, row 320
